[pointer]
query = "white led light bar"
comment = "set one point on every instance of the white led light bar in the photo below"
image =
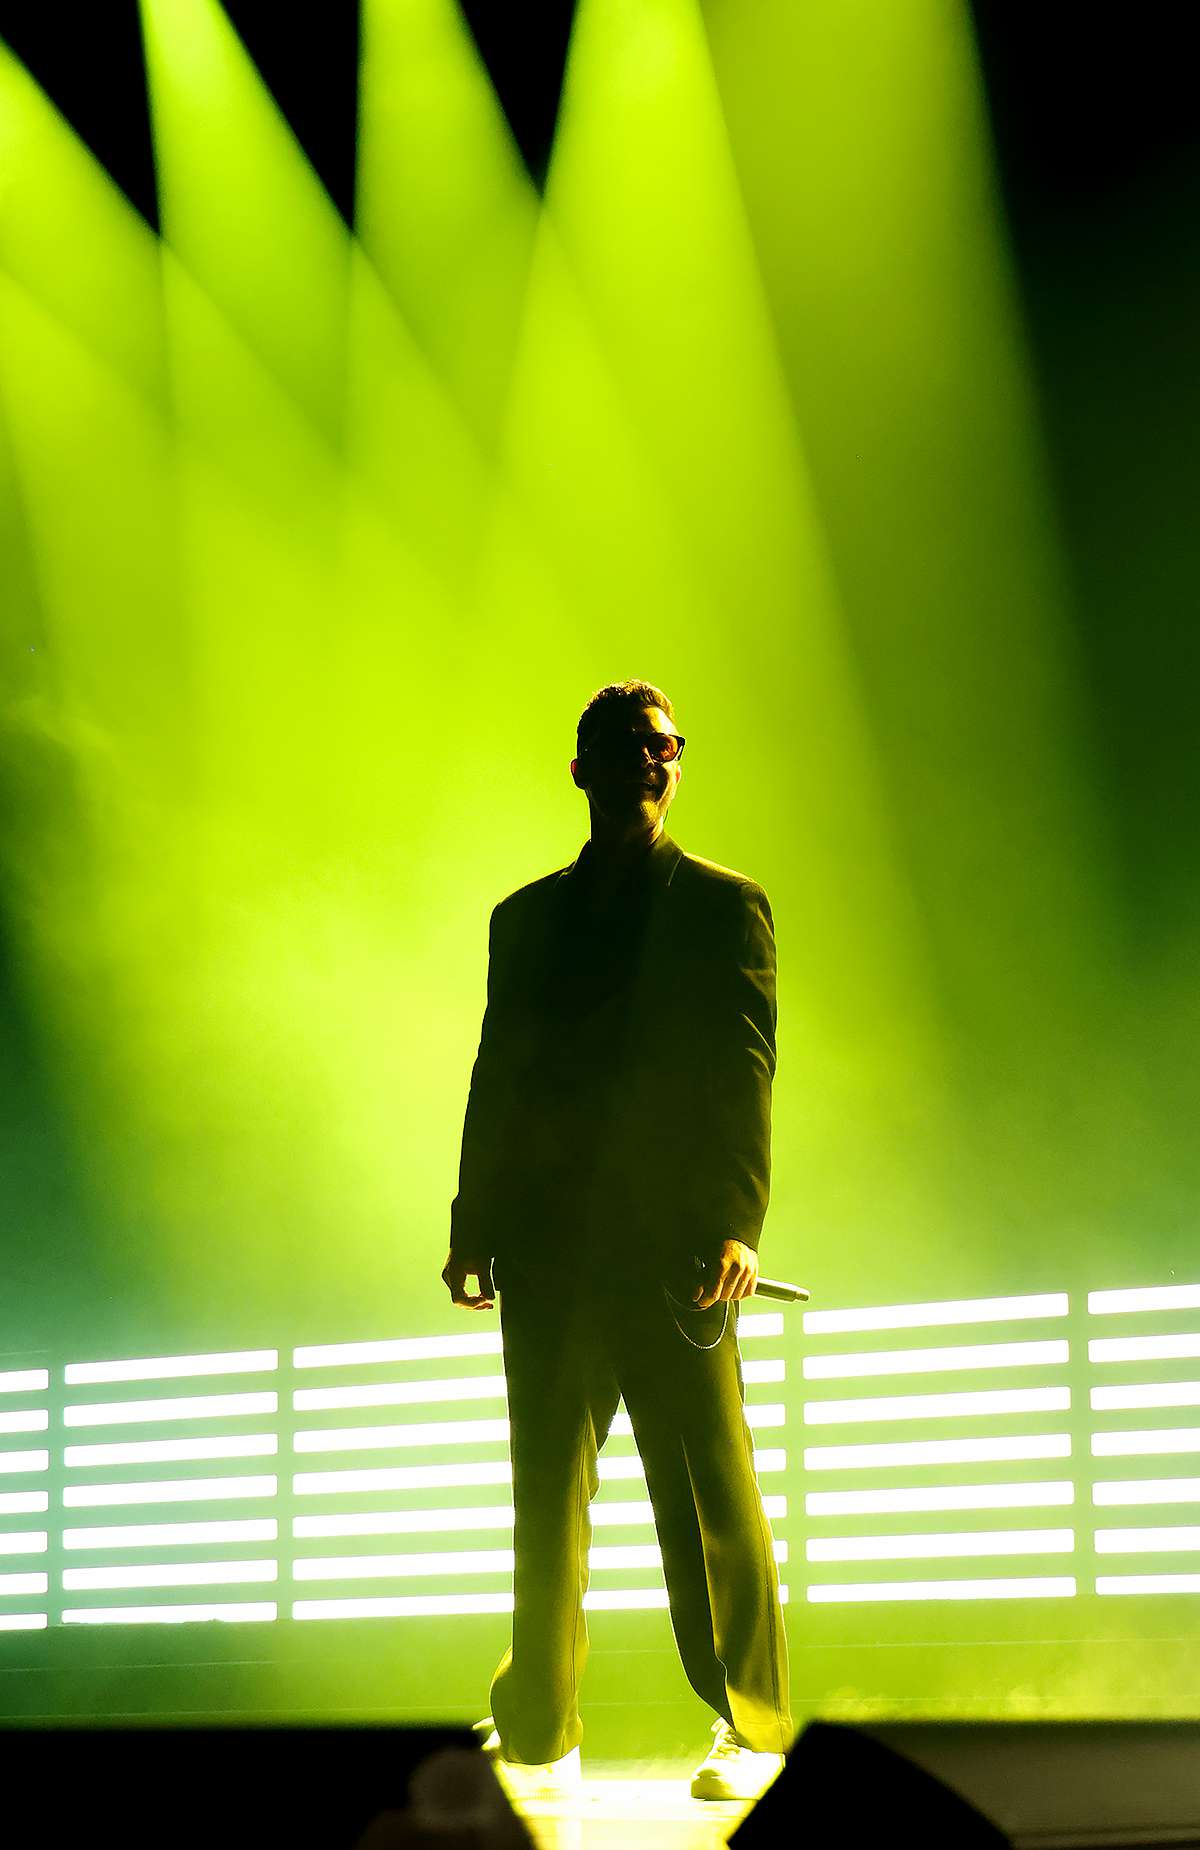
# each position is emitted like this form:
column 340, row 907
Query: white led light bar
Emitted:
column 1147, row 1490
column 175, row 1490
column 407, row 1349
column 1143, row 1348
column 943, row 1547
column 1154, row 1297
column 376, row 1438
column 766, row 1415
column 937, row 1406
column 23, row 1502
column 13, row 1462
column 242, row 1613
column 753, row 1325
column 23, row 1621
column 1148, row 1394
column 937, row 1361
column 934, row 1452
column 166, row 1451
column 1020, row 1588
column 36, row 1419
column 945, row 1497
column 926, row 1316
column 1183, row 1540
column 25, row 1542
column 13, row 1584
column 171, row 1534
column 178, row 1574
column 168, row 1367
column 484, row 1516
column 190, row 1407
column 1148, row 1583
column 1145, row 1444
column 755, row 1373
column 23, row 1380
column 401, row 1393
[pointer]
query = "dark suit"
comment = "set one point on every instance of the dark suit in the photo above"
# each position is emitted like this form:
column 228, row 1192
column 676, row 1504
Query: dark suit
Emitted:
column 624, row 1072
column 618, row 1123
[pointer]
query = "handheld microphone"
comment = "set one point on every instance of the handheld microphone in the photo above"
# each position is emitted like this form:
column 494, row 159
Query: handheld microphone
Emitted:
column 776, row 1288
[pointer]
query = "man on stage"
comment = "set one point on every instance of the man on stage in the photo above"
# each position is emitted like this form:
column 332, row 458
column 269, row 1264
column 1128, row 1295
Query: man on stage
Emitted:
column 612, row 1188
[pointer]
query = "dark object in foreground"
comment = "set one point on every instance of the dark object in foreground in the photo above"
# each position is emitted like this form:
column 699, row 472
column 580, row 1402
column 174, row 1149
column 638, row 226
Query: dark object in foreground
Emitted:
column 243, row 1788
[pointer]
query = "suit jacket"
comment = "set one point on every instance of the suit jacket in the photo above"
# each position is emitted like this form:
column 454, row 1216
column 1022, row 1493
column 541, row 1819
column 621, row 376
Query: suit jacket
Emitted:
column 623, row 1079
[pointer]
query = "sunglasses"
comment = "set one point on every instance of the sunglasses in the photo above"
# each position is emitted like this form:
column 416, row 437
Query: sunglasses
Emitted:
column 664, row 747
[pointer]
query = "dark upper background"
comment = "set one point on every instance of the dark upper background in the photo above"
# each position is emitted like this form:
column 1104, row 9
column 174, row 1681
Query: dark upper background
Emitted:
column 1085, row 105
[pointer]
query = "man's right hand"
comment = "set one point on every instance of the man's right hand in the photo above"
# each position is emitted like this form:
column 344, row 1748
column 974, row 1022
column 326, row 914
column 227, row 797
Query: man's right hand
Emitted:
column 461, row 1267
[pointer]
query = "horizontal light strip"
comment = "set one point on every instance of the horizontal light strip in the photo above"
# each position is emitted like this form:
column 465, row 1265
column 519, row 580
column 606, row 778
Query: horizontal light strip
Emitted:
column 241, row 1613
column 23, row 1502
column 1148, row 1583
column 400, row 1393
column 949, row 1497
column 1143, row 1348
column 1153, row 1297
column 407, row 1349
column 23, row 1622
column 170, row 1451
column 427, row 1477
column 25, row 1542
column 12, row 1462
column 430, row 1348
column 1183, row 1540
column 1144, row 1444
column 1063, row 1588
column 755, row 1373
column 178, row 1574
column 388, row 1567
column 936, row 1361
column 1147, row 1490
column 467, row 1387
column 935, row 1452
column 23, row 1380
column 444, row 1605
column 423, row 1522
column 403, row 1606
column 943, row 1547
column 33, row 1419
column 377, row 1438
column 173, row 1367
column 937, row 1406
column 469, row 1561
column 766, row 1415
column 399, row 1477
column 1151, row 1394
column 12, row 1584
column 756, row 1324
column 925, row 1316
column 176, row 1490
column 171, row 1534
column 483, row 1516
column 190, row 1407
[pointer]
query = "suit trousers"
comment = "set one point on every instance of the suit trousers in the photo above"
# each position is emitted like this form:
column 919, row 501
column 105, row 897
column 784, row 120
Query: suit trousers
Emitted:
column 571, row 1351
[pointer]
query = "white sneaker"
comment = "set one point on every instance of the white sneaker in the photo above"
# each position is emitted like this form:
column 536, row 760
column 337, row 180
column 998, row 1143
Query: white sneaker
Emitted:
column 732, row 1771
column 549, row 1779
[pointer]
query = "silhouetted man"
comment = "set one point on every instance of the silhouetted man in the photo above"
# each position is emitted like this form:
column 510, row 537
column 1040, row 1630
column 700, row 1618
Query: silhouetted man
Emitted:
column 618, row 1131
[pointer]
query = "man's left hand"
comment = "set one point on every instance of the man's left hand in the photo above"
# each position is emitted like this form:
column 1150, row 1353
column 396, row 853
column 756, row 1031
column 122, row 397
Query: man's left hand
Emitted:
column 731, row 1275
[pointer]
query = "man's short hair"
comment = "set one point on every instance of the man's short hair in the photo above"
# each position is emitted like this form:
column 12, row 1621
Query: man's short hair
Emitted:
column 607, row 702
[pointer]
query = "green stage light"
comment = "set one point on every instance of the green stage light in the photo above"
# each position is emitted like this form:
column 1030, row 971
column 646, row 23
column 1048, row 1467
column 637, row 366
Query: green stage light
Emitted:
column 101, row 282
column 241, row 207
column 445, row 210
